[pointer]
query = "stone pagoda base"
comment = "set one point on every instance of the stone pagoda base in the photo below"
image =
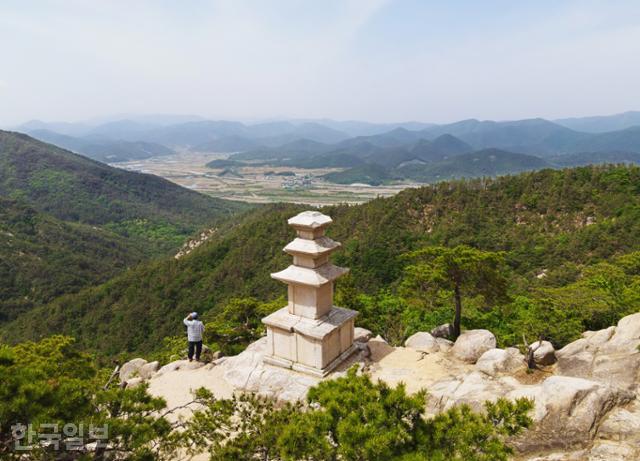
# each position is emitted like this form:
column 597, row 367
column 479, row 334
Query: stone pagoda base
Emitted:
column 312, row 346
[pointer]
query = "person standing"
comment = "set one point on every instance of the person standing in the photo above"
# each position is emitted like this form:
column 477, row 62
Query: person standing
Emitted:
column 195, row 329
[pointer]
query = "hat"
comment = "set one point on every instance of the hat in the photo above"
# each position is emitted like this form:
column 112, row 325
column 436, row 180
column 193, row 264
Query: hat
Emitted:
column 194, row 315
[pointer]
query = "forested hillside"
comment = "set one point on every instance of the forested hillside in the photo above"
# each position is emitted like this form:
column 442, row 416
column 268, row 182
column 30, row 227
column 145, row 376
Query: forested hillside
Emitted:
column 42, row 257
column 68, row 222
column 151, row 212
column 567, row 239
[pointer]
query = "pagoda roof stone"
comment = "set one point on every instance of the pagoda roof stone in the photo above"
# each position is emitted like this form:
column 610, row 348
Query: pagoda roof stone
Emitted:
column 314, row 248
column 311, row 277
column 310, row 220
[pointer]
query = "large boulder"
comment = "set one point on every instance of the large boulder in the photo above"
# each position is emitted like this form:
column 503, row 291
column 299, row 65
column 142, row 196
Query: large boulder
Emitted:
column 472, row 389
column 471, row 344
column 497, row 361
column 567, row 411
column 626, row 337
column 240, row 367
column 623, row 424
column 149, row 369
column 608, row 450
column 131, row 369
column 361, row 335
column 543, row 353
column 599, row 337
column 133, row 382
column 179, row 365
column 169, row 367
column 193, row 365
column 610, row 355
column 422, row 342
column 444, row 344
column 443, row 331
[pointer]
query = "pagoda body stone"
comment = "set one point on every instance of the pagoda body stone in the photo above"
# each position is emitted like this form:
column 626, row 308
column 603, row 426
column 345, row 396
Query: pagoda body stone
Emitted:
column 310, row 334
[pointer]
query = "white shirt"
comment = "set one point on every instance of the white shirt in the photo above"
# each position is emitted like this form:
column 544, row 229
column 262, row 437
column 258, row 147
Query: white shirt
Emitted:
column 195, row 328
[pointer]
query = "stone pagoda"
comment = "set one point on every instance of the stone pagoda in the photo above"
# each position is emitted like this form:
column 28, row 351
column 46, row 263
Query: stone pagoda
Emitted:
column 310, row 334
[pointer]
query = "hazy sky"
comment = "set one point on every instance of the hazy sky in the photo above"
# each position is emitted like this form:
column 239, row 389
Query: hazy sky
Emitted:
column 377, row 60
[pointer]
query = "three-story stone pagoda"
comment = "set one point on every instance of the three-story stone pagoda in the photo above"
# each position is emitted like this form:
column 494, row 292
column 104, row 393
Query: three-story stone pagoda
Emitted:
column 310, row 334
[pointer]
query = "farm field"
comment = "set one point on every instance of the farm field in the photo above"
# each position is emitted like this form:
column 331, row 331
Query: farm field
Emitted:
column 256, row 184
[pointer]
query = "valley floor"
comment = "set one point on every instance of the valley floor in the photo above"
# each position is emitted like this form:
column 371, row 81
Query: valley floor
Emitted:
column 251, row 184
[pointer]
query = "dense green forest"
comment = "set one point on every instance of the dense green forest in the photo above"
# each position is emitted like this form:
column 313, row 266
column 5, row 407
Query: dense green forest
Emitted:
column 153, row 213
column 486, row 162
column 42, row 257
column 68, row 222
column 565, row 241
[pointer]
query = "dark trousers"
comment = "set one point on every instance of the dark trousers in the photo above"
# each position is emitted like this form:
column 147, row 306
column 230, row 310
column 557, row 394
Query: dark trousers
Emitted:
column 197, row 346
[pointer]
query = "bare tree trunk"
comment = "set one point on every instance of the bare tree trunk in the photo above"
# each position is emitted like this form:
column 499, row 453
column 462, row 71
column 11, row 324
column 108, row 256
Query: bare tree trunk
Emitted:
column 115, row 373
column 457, row 318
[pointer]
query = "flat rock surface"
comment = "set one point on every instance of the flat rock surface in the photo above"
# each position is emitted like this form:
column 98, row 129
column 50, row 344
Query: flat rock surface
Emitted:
column 416, row 369
column 585, row 406
column 177, row 387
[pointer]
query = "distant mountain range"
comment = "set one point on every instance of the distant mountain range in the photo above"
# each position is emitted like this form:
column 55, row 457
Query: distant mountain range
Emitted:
column 405, row 151
column 602, row 123
column 103, row 149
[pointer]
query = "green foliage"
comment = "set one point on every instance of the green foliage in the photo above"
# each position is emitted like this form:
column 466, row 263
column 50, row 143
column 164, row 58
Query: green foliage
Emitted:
column 52, row 382
column 348, row 418
column 46, row 382
column 163, row 234
column 359, row 419
column 243, row 428
column 42, row 257
column 391, row 315
column 67, row 222
column 353, row 418
column 461, row 270
column 562, row 222
column 137, row 424
column 486, row 162
column 459, row 434
column 173, row 348
column 75, row 188
column 238, row 324
column 369, row 173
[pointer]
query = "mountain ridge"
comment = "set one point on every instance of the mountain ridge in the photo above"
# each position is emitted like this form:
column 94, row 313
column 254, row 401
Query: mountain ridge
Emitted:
column 558, row 220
